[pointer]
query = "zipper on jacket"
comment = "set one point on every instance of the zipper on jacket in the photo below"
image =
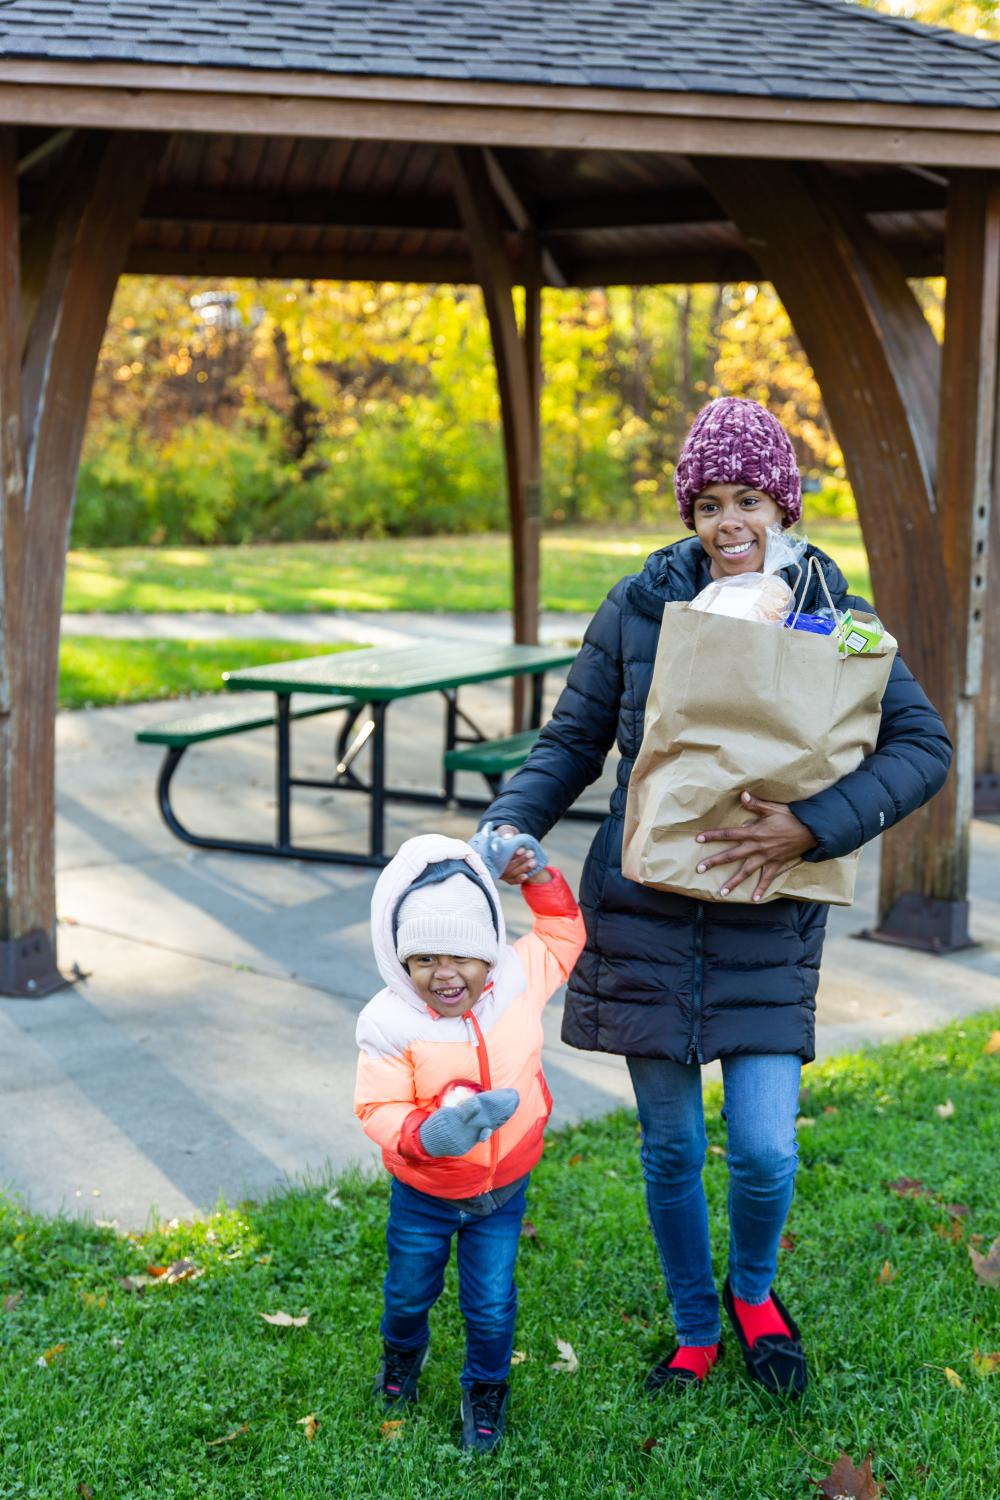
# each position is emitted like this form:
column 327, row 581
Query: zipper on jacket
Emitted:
column 479, row 1042
column 697, row 973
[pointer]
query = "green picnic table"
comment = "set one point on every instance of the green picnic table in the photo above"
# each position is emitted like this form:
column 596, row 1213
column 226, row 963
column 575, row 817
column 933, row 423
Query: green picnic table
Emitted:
column 364, row 684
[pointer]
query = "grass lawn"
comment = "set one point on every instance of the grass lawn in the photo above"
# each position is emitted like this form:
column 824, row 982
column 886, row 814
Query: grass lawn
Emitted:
column 413, row 573
column 122, row 1394
column 94, row 670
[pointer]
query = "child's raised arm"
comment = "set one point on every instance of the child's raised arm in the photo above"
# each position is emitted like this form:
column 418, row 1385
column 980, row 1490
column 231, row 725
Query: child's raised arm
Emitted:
column 549, row 951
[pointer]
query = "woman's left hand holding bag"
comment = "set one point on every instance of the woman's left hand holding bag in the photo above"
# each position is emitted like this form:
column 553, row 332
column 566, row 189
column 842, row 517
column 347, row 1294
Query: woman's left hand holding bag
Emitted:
column 766, row 848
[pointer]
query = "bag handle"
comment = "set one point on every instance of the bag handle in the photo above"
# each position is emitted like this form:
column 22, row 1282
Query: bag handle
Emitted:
column 813, row 567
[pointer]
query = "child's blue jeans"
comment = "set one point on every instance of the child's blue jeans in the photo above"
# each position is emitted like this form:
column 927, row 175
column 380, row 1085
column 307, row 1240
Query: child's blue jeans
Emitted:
column 761, row 1093
column 418, row 1238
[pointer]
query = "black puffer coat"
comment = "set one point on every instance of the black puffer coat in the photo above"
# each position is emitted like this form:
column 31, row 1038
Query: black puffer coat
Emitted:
column 665, row 975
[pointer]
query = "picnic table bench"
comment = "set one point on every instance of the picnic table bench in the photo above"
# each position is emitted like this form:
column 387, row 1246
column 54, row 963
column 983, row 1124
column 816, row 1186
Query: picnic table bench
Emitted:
column 362, row 684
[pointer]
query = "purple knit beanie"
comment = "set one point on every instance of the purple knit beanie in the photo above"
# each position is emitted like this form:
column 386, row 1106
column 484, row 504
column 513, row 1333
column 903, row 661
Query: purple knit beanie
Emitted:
column 733, row 441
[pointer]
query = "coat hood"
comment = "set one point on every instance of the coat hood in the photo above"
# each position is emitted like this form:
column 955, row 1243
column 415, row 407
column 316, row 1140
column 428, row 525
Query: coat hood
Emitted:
column 681, row 571
column 399, row 874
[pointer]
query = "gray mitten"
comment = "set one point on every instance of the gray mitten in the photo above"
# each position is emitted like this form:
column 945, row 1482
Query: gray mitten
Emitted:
column 454, row 1131
column 496, row 850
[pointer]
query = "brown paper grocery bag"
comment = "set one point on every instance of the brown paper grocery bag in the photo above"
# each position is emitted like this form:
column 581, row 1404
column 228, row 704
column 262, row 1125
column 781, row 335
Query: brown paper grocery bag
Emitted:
column 744, row 705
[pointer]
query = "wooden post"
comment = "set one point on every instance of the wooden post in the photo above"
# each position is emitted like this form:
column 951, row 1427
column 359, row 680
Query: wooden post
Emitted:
column 967, row 455
column 900, row 423
column 518, row 365
column 987, row 782
column 69, row 280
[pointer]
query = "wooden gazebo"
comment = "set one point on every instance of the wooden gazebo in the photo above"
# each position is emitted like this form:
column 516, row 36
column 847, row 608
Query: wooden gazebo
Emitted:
column 826, row 148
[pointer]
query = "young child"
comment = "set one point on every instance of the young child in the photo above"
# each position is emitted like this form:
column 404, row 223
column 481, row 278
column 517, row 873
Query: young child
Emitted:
column 450, row 1085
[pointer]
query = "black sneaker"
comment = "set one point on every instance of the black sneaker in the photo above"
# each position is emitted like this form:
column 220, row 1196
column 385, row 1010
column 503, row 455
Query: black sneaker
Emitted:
column 396, row 1381
column 484, row 1415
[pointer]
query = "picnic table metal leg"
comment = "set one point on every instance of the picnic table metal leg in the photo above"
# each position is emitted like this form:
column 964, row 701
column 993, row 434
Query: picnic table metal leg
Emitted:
column 377, row 836
column 450, row 737
column 537, row 699
column 283, row 725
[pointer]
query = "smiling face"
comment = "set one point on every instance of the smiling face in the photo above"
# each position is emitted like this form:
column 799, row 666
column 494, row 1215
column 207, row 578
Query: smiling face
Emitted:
column 731, row 521
column 450, row 986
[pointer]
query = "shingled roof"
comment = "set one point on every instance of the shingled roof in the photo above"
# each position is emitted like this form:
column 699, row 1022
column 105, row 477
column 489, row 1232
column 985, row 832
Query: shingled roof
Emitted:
column 793, row 49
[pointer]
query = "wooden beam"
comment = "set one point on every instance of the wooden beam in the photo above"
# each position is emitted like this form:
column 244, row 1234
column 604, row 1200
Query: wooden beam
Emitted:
column 64, row 93
column 518, row 381
column 250, row 208
column 712, row 268
column 879, row 370
column 306, row 264
column 887, row 193
column 57, row 140
column 522, row 216
column 88, row 245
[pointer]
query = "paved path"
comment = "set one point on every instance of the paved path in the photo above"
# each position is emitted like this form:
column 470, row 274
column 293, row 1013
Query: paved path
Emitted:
column 377, row 628
column 211, row 1048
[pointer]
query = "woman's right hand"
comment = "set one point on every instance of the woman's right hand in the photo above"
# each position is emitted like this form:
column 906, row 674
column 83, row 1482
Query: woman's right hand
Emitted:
column 521, row 864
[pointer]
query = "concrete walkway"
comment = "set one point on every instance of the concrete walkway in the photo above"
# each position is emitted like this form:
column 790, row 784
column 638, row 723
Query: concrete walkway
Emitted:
column 211, row 1048
column 377, row 628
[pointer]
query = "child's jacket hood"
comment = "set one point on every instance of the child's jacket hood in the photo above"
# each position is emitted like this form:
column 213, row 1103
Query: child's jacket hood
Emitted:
column 397, row 877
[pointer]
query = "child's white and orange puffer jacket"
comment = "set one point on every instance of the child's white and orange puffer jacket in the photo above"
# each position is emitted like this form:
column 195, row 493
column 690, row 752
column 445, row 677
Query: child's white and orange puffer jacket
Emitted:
column 409, row 1055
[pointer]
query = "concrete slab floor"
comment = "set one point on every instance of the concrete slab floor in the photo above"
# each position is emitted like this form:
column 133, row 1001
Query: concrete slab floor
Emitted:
column 211, row 1049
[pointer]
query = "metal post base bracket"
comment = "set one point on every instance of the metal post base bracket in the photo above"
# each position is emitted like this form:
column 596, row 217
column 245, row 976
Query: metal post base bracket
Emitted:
column 28, row 968
column 927, row 923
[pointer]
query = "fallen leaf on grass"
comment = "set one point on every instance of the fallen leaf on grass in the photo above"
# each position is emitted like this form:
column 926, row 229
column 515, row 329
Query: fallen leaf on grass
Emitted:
column 575, row 1161
column 944, row 1111
column 393, row 1429
column 846, row 1481
column 333, row 1199
column 887, row 1274
column 528, row 1230
column 650, row 1444
column 804, row 1121
column 987, row 1267
column 285, row 1320
column 156, row 1272
column 117, row 1343
column 92, row 1299
column 518, row 1357
column 44, row 1360
column 717, row 1150
column 984, row 1364
column 84, row 1491
column 567, row 1363
column 992, row 1047
column 787, row 1242
column 909, row 1187
column 956, row 1210
column 831, row 1109
column 230, row 1437
column 310, row 1426
column 953, row 1378
column 182, row 1270
column 11, row 1301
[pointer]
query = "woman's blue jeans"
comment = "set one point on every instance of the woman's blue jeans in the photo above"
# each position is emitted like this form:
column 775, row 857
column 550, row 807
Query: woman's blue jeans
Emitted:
column 761, row 1103
column 418, row 1238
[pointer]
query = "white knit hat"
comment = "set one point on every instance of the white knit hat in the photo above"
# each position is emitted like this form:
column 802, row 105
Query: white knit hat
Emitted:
column 452, row 916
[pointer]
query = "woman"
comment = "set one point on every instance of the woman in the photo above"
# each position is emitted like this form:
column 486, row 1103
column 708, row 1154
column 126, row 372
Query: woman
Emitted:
column 672, row 982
